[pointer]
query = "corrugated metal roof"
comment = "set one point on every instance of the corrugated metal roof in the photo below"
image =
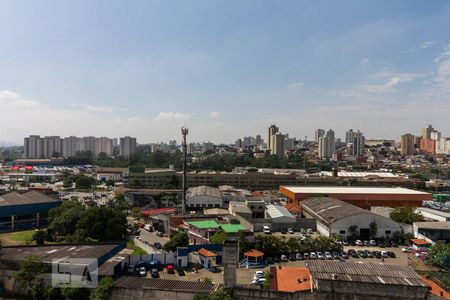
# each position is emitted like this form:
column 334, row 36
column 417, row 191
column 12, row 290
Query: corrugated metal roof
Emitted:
column 166, row 284
column 31, row 197
column 277, row 211
column 203, row 190
column 365, row 272
column 331, row 209
column 351, row 190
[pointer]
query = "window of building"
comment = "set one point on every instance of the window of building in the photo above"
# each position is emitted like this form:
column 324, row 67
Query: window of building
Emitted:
column 342, row 232
column 387, row 232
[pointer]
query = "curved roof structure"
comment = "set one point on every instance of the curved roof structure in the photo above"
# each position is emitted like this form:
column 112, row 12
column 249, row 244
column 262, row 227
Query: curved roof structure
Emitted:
column 331, row 210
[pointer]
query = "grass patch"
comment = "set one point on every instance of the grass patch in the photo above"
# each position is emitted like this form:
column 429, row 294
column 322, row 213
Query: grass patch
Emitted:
column 137, row 250
column 17, row 238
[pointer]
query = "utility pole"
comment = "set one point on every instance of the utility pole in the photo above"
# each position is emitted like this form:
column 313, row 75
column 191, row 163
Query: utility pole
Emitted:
column 184, row 132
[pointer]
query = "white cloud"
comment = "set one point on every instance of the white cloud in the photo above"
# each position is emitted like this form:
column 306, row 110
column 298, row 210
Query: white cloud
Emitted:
column 135, row 118
column 444, row 55
column 96, row 108
column 295, row 85
column 11, row 99
column 427, row 44
column 172, row 116
column 213, row 114
column 364, row 61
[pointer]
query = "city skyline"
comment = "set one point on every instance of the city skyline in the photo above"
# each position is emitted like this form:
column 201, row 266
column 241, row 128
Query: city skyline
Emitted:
column 147, row 68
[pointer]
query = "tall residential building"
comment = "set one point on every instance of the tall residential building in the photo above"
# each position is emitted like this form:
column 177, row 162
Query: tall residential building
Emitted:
column 426, row 132
column 435, row 135
column 278, row 144
column 443, row 146
column 327, row 145
column 127, row 146
column 259, row 140
column 289, row 143
column 407, row 144
column 71, row 145
column 33, row 147
column 103, row 145
column 273, row 129
column 358, row 143
column 318, row 133
column 52, row 146
column 90, row 144
column 349, row 136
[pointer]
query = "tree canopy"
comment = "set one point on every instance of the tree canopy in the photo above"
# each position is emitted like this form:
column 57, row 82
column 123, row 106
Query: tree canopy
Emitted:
column 180, row 239
column 405, row 215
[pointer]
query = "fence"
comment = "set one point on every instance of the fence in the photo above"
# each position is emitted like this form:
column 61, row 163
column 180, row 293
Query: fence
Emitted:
column 165, row 258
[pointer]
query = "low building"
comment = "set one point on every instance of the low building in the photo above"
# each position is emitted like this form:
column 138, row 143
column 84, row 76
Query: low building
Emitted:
column 279, row 214
column 432, row 231
column 344, row 280
column 201, row 231
column 290, row 279
column 336, row 217
column 433, row 214
column 25, row 211
column 203, row 197
column 364, row 197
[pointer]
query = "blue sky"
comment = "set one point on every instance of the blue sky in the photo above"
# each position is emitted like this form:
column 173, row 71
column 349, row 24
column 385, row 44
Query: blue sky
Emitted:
column 224, row 68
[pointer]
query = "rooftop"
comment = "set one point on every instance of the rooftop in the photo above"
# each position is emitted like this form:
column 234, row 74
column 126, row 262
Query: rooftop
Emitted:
column 434, row 211
column 30, row 197
column 331, row 209
column 232, row 228
column 166, row 284
column 443, row 225
column 206, row 253
column 436, row 289
column 204, row 224
column 254, row 253
column 290, row 279
column 203, row 190
column 277, row 211
column 351, row 190
column 50, row 252
column 365, row 272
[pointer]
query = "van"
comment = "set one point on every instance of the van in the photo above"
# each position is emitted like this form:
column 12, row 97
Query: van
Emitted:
column 266, row 229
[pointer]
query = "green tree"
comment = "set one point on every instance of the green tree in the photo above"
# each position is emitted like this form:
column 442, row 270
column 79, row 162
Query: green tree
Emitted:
column 84, row 182
column 63, row 219
column 373, row 228
column 180, row 239
column 102, row 224
column 103, row 290
column 39, row 237
column 440, row 254
column 220, row 294
column 29, row 273
column 135, row 184
column 405, row 215
column 218, row 238
column 353, row 230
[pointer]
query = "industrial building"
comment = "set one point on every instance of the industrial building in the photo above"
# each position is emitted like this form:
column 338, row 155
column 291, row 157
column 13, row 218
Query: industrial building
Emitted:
column 25, row 211
column 279, row 214
column 336, row 217
column 344, row 280
column 364, row 197
column 433, row 214
column 432, row 231
column 203, row 197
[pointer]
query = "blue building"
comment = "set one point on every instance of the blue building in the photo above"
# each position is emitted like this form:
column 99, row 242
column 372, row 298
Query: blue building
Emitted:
column 25, row 211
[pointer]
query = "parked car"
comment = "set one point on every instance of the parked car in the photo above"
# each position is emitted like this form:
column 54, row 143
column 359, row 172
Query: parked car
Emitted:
column 309, row 231
column 306, row 255
column 131, row 269
column 283, row 231
column 320, row 255
column 284, row 258
column 373, row 243
column 366, row 243
column 142, row 272
column 154, row 273
column 407, row 249
column 170, row 269
column 336, row 255
column 328, row 255
column 344, row 255
column 362, row 253
column 180, row 272
column 157, row 245
column 298, row 256
column 359, row 243
column 302, row 230
column 292, row 256
column 290, row 231
column 313, row 255
column 384, row 254
column 419, row 254
column 266, row 229
column 391, row 254
column 160, row 234
column 259, row 281
column 369, row 254
column 345, row 243
column 258, row 274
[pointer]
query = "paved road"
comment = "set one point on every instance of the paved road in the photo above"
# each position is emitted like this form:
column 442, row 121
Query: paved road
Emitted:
column 151, row 237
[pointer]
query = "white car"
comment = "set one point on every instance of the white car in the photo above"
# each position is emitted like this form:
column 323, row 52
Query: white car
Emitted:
column 359, row 243
column 259, row 281
column 320, row 255
column 142, row 272
column 290, row 231
column 373, row 243
column 419, row 254
column 258, row 275
column 283, row 258
column 131, row 269
column 328, row 255
column 313, row 255
column 407, row 249
column 266, row 229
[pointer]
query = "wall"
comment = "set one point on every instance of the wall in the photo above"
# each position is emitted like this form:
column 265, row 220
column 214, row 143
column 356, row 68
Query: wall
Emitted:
column 164, row 258
column 363, row 221
column 243, row 293
column 256, row 225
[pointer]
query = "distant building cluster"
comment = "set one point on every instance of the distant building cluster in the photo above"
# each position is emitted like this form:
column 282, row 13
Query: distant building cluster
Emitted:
column 36, row 147
column 429, row 142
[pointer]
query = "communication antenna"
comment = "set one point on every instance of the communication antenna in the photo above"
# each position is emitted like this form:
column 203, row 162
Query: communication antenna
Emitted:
column 184, row 133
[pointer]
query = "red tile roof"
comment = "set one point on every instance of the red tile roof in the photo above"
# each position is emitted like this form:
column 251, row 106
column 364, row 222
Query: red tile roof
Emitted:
column 253, row 253
column 290, row 279
column 206, row 253
column 436, row 289
column 293, row 208
column 157, row 211
column 419, row 242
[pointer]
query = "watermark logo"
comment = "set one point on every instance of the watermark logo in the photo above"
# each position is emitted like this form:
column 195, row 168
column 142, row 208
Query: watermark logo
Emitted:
column 75, row 273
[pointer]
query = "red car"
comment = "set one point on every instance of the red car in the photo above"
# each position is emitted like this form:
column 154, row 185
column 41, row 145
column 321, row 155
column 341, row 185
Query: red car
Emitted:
column 170, row 269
